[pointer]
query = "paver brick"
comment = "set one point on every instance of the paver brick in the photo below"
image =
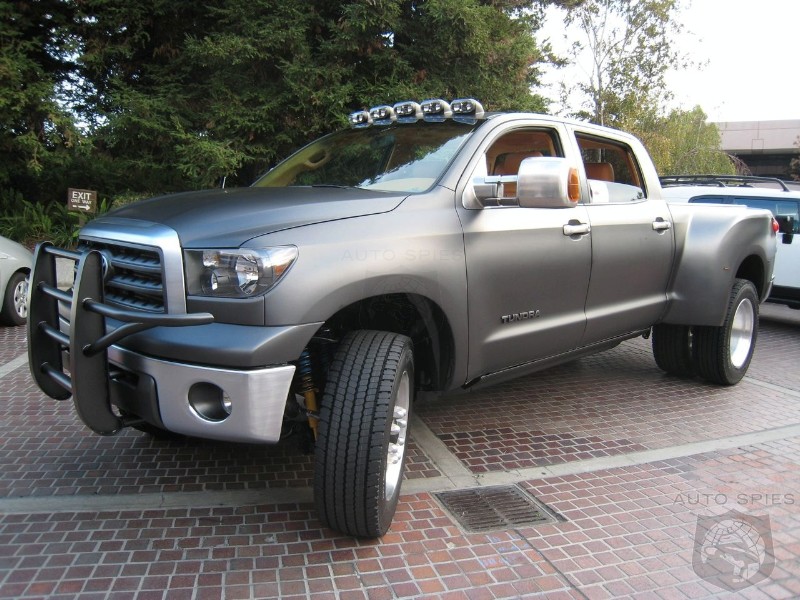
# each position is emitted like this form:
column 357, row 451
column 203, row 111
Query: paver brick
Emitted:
column 629, row 530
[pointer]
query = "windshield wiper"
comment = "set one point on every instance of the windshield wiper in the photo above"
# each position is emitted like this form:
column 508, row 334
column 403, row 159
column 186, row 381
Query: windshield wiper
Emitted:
column 334, row 185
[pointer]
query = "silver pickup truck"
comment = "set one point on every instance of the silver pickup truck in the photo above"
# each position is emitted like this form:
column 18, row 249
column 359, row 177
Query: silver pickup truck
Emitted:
column 431, row 247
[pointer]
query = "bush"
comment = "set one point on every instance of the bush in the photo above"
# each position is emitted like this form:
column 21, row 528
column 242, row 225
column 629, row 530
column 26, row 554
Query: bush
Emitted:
column 29, row 222
column 32, row 222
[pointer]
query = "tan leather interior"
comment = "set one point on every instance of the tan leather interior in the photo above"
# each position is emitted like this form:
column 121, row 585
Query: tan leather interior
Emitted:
column 601, row 171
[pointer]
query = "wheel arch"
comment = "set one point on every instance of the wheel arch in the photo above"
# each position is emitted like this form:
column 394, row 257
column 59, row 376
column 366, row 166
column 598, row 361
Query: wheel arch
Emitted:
column 415, row 316
column 24, row 270
column 715, row 246
column 753, row 269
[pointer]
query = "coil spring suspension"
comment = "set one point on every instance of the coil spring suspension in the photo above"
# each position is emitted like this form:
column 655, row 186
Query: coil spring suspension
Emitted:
column 305, row 386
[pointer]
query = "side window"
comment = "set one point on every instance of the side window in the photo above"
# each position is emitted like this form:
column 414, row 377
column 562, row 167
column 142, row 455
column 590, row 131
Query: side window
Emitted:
column 611, row 169
column 787, row 213
column 507, row 152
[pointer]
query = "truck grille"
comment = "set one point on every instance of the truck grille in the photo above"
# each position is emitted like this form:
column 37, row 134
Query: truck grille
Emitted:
column 137, row 277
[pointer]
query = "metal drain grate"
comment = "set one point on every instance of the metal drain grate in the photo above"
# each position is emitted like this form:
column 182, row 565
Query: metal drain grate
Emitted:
column 499, row 507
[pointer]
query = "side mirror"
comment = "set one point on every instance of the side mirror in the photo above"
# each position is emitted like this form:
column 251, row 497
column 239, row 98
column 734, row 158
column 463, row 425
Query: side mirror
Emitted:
column 486, row 188
column 547, row 182
column 489, row 191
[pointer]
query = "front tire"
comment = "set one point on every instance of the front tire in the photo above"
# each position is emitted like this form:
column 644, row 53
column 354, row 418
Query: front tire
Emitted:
column 722, row 354
column 363, row 427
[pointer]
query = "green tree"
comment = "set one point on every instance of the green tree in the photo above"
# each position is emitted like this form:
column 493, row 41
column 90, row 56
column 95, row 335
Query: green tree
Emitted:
column 180, row 94
column 681, row 142
column 135, row 98
column 626, row 49
column 38, row 137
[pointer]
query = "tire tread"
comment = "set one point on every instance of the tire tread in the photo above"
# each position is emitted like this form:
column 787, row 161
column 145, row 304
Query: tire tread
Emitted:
column 348, row 462
column 711, row 347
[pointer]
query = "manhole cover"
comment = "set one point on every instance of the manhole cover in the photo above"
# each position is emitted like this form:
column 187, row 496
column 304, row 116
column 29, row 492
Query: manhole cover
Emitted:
column 500, row 507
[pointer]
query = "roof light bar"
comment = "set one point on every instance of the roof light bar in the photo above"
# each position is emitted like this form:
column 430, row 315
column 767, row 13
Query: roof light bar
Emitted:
column 436, row 110
column 464, row 110
column 360, row 118
column 382, row 115
column 467, row 109
column 407, row 112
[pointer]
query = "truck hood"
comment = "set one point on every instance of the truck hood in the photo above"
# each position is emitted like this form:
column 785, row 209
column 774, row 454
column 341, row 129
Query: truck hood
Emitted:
column 228, row 218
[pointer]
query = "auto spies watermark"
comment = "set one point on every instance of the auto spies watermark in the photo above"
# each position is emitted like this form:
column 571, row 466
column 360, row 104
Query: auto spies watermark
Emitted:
column 742, row 499
column 733, row 550
column 409, row 255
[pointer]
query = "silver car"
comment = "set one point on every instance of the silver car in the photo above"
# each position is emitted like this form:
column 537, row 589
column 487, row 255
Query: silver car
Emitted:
column 15, row 267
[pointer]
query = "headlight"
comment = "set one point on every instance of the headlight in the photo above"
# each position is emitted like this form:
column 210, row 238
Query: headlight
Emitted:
column 237, row 273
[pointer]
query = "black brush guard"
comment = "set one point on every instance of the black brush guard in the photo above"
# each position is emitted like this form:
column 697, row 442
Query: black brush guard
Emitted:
column 88, row 340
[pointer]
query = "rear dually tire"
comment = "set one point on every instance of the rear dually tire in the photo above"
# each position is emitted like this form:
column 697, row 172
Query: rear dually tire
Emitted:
column 722, row 354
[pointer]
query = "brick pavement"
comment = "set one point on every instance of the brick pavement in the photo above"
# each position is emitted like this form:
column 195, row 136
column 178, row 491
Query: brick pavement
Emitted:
column 615, row 402
column 13, row 343
column 628, row 532
column 628, row 529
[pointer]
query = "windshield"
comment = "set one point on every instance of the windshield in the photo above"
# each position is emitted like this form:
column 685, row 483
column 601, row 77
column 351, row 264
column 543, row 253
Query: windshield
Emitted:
column 404, row 158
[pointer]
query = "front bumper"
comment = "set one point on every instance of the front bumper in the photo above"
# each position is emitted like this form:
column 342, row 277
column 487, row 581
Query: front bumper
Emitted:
column 207, row 402
column 110, row 359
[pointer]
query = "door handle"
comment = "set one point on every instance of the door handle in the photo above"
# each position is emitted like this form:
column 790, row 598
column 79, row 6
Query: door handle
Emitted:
column 661, row 225
column 576, row 228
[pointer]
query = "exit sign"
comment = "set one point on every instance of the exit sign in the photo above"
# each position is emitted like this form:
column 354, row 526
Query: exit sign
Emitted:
column 82, row 200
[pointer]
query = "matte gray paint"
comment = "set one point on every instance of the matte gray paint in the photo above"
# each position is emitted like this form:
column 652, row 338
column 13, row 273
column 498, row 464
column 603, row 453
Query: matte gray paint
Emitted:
column 712, row 243
column 596, row 274
column 228, row 218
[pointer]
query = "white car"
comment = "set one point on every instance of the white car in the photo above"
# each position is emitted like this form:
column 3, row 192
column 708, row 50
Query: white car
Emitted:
column 757, row 192
column 16, row 263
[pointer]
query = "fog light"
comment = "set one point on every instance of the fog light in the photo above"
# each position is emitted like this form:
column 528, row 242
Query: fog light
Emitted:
column 210, row 401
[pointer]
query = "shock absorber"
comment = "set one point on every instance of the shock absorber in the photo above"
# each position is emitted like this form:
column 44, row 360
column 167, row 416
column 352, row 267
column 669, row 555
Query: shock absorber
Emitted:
column 305, row 386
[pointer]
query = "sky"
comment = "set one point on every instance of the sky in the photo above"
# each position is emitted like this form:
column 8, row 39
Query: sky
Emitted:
column 750, row 53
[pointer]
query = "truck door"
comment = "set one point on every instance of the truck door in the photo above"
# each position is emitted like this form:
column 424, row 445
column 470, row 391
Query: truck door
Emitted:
column 632, row 242
column 527, row 278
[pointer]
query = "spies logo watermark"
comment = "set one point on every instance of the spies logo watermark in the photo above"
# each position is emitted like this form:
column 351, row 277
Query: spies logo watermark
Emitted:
column 733, row 550
column 720, row 499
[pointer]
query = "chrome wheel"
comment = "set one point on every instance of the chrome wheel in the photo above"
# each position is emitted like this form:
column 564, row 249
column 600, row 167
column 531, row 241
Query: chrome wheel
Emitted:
column 397, row 436
column 742, row 333
column 21, row 299
column 722, row 354
column 14, row 306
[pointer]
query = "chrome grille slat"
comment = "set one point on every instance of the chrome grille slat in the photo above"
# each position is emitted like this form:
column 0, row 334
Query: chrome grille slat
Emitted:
column 138, row 265
column 136, row 280
column 137, row 285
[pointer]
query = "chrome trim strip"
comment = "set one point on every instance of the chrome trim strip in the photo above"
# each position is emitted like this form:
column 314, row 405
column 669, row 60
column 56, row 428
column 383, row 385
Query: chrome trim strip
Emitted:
column 153, row 235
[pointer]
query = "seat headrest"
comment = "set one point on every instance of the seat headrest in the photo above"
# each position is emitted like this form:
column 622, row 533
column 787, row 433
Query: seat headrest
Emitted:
column 602, row 171
column 508, row 163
